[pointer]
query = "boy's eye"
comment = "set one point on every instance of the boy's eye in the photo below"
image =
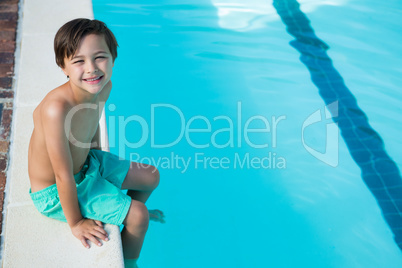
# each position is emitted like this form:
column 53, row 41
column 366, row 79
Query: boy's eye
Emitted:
column 100, row 57
column 78, row 61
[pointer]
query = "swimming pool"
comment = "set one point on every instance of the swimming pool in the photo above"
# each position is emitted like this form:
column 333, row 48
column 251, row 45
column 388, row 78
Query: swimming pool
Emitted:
column 240, row 106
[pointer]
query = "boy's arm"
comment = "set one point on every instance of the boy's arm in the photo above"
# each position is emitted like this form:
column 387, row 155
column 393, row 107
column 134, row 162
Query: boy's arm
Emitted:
column 95, row 143
column 58, row 148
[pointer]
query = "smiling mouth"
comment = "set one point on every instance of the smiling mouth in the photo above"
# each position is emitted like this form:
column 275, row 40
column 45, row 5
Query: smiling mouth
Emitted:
column 93, row 80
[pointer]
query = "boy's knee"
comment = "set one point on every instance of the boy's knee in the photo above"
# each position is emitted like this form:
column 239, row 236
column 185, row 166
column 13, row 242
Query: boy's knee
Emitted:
column 138, row 216
column 154, row 178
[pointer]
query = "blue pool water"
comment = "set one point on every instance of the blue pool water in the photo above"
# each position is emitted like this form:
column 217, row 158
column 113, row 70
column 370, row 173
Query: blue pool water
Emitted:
column 275, row 128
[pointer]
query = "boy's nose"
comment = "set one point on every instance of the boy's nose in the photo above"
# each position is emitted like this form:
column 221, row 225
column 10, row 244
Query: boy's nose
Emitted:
column 91, row 67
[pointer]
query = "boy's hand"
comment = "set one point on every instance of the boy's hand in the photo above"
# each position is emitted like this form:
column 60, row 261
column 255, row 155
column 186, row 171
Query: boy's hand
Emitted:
column 91, row 230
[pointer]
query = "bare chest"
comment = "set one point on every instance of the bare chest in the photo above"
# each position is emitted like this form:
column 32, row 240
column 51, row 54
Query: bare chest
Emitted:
column 83, row 122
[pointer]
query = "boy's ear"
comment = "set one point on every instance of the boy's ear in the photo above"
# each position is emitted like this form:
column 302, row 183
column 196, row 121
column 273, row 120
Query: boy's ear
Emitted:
column 65, row 72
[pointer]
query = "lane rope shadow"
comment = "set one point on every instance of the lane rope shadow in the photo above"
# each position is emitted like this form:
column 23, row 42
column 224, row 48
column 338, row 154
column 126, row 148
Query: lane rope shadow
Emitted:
column 378, row 170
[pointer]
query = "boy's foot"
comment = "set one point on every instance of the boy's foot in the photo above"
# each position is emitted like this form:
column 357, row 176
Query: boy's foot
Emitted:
column 130, row 263
column 156, row 215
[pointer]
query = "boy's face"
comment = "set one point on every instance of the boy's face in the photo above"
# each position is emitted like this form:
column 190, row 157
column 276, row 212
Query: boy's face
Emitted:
column 90, row 69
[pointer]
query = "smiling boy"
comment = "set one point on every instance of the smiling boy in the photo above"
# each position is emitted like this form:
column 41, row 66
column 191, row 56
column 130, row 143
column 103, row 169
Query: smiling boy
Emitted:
column 72, row 180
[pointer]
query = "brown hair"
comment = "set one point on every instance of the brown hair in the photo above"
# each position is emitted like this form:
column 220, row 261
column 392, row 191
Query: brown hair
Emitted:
column 69, row 36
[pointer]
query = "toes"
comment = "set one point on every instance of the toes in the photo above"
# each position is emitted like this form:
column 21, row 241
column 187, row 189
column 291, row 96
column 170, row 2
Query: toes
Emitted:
column 156, row 215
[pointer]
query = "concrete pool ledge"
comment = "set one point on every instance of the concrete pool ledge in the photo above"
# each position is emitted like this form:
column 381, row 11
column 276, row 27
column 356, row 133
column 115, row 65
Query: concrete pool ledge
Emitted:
column 30, row 239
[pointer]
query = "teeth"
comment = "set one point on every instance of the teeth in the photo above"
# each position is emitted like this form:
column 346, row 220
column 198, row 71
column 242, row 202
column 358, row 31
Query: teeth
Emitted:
column 96, row 78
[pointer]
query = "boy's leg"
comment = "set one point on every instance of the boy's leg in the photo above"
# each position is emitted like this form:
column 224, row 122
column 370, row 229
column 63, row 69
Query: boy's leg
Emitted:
column 140, row 181
column 133, row 234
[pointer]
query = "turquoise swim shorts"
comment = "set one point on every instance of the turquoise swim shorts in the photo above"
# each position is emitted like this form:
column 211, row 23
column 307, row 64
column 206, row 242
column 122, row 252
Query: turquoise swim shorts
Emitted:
column 98, row 190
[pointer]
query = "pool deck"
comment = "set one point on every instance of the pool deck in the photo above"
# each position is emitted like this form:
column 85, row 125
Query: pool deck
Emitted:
column 28, row 238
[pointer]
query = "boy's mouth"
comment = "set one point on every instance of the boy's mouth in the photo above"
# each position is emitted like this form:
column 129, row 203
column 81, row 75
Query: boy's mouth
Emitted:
column 93, row 80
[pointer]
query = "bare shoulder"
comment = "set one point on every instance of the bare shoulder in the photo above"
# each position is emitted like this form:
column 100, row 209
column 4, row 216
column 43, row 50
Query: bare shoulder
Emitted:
column 55, row 104
column 54, row 108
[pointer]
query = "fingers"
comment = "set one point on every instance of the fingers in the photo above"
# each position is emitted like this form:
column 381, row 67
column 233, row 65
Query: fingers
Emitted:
column 100, row 231
column 99, row 223
column 101, row 235
column 91, row 230
column 84, row 242
column 94, row 240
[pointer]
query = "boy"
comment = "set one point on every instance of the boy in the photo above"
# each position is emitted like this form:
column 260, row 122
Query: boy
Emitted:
column 72, row 180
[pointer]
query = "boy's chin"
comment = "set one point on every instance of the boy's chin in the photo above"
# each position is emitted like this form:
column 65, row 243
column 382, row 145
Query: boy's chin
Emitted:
column 94, row 91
